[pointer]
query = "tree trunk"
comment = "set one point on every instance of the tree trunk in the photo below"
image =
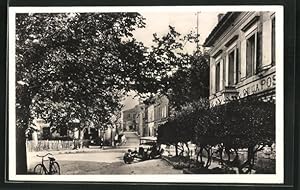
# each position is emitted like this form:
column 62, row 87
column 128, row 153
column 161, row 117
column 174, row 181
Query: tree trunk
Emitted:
column 188, row 149
column 176, row 149
column 22, row 121
column 208, row 151
column 81, row 137
column 21, row 157
column 249, row 162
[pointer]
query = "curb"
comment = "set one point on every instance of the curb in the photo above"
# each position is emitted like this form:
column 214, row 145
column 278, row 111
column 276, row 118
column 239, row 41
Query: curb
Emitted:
column 167, row 160
column 80, row 150
column 187, row 171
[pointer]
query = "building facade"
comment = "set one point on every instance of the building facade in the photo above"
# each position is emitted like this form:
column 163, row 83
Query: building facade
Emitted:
column 145, row 118
column 243, row 57
column 140, row 118
column 157, row 114
column 129, row 119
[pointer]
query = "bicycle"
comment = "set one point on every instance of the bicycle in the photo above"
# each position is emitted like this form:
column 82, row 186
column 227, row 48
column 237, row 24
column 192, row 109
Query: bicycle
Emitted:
column 41, row 169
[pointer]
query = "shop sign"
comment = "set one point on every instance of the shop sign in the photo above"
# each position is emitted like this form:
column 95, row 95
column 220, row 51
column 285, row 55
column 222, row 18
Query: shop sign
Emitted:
column 258, row 86
column 255, row 87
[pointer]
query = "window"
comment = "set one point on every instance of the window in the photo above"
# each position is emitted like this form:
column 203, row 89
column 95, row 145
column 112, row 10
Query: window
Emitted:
column 273, row 41
column 234, row 68
column 218, row 77
column 250, row 55
column 231, row 61
column 237, row 67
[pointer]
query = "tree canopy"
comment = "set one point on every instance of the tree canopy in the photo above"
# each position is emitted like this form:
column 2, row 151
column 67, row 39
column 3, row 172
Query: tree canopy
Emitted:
column 78, row 65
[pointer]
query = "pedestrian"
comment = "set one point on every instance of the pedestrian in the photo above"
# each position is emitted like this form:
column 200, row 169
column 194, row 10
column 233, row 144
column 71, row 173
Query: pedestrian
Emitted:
column 101, row 142
column 124, row 140
column 116, row 139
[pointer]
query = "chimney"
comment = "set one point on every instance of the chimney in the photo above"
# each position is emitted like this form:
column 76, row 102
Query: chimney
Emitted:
column 220, row 16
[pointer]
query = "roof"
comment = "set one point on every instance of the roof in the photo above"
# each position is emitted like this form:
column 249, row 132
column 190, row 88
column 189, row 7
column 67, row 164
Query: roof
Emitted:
column 222, row 25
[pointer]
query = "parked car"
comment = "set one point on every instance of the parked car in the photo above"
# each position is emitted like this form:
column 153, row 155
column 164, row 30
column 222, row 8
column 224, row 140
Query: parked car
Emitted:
column 148, row 149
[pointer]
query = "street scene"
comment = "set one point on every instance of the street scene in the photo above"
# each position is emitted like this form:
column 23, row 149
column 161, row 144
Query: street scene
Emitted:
column 121, row 93
column 105, row 161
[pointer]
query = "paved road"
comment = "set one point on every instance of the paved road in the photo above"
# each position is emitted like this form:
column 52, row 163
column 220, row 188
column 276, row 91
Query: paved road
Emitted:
column 107, row 162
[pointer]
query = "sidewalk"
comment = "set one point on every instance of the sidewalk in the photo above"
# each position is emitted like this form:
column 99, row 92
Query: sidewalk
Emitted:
column 81, row 150
column 214, row 164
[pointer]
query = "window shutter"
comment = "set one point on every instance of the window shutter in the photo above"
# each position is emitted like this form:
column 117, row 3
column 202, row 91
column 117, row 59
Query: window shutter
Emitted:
column 238, row 66
column 258, row 52
column 248, row 59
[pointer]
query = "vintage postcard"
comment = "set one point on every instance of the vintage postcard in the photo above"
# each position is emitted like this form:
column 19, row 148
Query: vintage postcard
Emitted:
column 169, row 94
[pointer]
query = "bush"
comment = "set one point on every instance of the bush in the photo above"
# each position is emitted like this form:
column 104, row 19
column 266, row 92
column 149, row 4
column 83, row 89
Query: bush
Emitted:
column 248, row 124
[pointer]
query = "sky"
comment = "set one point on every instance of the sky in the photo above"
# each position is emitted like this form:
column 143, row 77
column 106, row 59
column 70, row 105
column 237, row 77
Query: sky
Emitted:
column 184, row 22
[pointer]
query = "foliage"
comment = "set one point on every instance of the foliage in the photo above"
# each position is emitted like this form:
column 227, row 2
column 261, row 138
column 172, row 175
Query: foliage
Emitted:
column 184, row 77
column 247, row 123
column 79, row 65
column 190, row 82
column 180, row 127
column 75, row 65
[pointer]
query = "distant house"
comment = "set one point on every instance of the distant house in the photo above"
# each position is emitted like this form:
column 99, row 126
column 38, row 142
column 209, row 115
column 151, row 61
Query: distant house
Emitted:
column 145, row 118
column 129, row 123
column 243, row 57
column 157, row 114
column 41, row 130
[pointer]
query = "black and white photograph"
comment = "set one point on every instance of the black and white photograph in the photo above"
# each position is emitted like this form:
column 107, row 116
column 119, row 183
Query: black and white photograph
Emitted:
column 146, row 94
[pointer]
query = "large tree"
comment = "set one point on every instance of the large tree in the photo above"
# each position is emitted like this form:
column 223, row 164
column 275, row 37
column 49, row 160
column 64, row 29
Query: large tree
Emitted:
column 77, row 65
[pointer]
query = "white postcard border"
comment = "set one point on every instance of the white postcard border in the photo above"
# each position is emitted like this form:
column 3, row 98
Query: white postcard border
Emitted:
column 277, row 178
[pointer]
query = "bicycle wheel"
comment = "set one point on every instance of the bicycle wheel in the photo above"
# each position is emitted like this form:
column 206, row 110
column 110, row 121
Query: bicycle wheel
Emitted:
column 39, row 169
column 55, row 168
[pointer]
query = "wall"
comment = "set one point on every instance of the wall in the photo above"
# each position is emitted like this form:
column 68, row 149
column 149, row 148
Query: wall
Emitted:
column 235, row 39
column 52, row 145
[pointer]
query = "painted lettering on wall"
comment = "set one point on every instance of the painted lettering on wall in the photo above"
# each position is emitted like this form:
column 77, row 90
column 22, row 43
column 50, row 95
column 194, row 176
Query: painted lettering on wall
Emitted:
column 261, row 85
column 258, row 86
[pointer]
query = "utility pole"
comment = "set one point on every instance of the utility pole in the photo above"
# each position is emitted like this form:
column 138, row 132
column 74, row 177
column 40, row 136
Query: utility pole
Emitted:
column 197, row 37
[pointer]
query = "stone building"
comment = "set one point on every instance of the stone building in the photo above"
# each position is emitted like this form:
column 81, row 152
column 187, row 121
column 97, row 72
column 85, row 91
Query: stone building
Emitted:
column 243, row 57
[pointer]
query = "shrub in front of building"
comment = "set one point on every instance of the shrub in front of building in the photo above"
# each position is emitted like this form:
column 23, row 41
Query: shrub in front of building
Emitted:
column 223, row 132
column 247, row 124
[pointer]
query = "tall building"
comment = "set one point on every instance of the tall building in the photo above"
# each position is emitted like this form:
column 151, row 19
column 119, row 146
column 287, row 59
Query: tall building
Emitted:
column 243, row 57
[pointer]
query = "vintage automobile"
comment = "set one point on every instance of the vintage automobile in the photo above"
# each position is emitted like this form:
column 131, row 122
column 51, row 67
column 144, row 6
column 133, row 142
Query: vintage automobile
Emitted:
column 148, row 149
